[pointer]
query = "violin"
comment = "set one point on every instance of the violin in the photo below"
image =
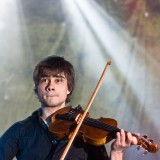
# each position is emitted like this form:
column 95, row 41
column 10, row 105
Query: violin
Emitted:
column 94, row 131
column 76, row 122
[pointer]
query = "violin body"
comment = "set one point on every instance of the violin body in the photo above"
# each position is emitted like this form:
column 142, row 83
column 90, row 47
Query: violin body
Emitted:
column 94, row 131
column 64, row 126
column 92, row 135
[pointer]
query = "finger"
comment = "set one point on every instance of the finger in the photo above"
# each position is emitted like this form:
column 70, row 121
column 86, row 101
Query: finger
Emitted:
column 137, row 134
column 134, row 140
column 122, row 137
column 129, row 138
column 135, row 137
column 118, row 139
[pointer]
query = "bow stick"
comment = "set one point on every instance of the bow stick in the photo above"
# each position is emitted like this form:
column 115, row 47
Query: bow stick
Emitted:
column 85, row 112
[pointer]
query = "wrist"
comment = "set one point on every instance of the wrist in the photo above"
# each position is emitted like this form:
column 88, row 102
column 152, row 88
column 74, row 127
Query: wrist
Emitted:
column 116, row 155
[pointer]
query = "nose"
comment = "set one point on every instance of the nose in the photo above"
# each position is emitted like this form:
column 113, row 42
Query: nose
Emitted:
column 50, row 86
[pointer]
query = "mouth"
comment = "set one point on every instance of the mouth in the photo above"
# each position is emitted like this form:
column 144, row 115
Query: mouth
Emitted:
column 51, row 95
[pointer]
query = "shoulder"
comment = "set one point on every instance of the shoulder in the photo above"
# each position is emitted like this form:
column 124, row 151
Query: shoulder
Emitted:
column 12, row 135
column 21, row 127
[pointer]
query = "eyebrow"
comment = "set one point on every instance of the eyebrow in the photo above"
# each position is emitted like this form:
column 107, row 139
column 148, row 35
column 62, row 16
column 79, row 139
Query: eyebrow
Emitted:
column 56, row 75
column 59, row 76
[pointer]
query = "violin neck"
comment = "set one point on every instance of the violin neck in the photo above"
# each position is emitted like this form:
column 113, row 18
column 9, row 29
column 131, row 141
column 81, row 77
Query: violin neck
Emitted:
column 101, row 125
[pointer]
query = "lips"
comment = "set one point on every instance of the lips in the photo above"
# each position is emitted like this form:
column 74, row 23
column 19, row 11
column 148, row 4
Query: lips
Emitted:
column 51, row 95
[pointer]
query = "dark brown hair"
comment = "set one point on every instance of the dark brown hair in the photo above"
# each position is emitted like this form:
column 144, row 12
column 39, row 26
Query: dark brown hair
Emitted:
column 54, row 65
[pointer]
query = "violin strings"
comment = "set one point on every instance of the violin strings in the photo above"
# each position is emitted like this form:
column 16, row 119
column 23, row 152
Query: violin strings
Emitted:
column 92, row 122
column 101, row 125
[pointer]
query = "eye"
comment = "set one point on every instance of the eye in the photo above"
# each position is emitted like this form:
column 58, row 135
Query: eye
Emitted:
column 43, row 80
column 58, row 80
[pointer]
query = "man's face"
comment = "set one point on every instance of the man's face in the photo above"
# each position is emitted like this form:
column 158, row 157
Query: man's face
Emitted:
column 52, row 91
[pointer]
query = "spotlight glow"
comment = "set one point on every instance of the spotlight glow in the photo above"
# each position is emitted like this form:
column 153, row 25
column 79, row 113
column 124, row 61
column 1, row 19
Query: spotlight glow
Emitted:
column 95, row 27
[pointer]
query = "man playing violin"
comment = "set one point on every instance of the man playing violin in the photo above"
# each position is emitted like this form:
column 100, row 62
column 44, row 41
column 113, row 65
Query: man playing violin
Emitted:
column 30, row 139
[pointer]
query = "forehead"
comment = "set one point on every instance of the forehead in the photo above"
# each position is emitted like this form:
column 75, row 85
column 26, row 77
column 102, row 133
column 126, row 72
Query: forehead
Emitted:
column 52, row 73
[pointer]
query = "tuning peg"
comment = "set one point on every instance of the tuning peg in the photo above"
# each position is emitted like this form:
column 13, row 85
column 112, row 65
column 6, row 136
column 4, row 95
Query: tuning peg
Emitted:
column 151, row 140
column 145, row 152
column 144, row 136
column 139, row 147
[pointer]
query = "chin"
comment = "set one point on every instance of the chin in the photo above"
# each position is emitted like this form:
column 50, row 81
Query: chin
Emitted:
column 53, row 105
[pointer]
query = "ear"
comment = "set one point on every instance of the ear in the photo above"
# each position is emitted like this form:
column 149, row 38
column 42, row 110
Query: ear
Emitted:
column 68, row 92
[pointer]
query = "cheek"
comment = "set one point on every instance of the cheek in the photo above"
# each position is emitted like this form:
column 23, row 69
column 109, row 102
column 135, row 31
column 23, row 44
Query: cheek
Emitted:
column 64, row 91
column 39, row 90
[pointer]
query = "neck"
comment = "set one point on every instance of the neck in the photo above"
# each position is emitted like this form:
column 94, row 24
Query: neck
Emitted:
column 47, row 111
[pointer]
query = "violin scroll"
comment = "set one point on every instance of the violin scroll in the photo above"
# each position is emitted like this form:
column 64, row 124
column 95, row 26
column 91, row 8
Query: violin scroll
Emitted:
column 148, row 145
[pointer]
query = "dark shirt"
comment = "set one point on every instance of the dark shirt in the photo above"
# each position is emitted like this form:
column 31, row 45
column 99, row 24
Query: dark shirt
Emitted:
column 30, row 140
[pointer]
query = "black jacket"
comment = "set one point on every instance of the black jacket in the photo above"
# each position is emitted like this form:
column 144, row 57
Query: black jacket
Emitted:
column 30, row 140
